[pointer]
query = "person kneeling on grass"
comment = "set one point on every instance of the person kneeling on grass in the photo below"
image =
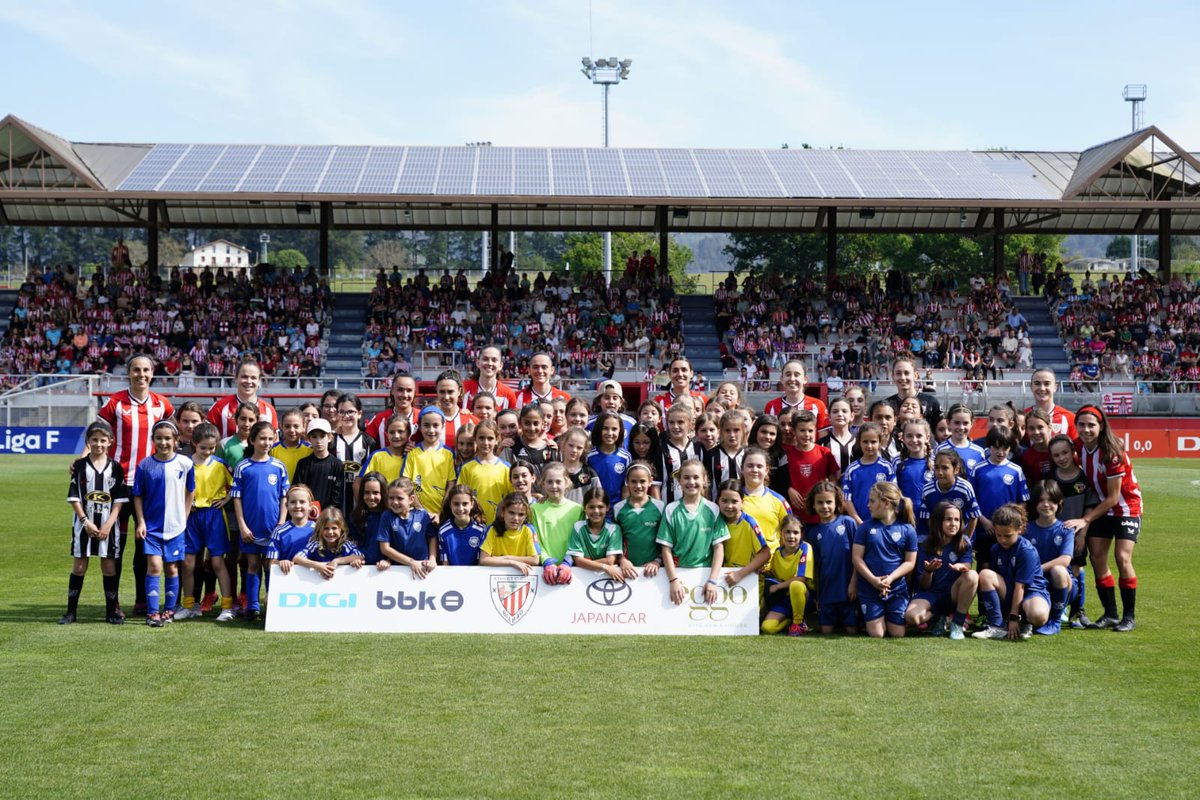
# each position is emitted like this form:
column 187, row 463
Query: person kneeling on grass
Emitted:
column 1014, row 580
column 789, row 576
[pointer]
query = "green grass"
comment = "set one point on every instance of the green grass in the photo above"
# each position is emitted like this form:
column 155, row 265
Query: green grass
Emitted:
column 198, row 710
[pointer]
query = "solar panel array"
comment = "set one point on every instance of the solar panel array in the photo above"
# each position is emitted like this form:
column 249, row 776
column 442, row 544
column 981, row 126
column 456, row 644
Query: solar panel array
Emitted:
column 580, row 172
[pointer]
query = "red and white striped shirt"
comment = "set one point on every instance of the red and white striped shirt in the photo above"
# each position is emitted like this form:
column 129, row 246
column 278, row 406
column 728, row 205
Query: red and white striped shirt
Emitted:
column 780, row 405
column 1062, row 422
column 1099, row 470
column 132, row 421
column 667, row 398
column 376, row 428
column 223, row 414
column 505, row 396
column 528, row 395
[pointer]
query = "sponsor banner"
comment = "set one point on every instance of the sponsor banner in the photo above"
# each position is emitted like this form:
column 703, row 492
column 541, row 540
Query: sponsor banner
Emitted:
column 1146, row 437
column 502, row 600
column 42, row 441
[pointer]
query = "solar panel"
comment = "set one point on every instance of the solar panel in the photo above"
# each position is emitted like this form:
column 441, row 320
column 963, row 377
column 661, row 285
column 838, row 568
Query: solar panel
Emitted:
column 229, row 169
column 341, row 176
column 192, row 168
column 967, row 177
column 570, row 171
column 420, row 171
column 645, row 175
column 683, row 178
column 458, row 168
column 306, row 168
column 720, row 177
column 266, row 171
column 531, row 171
column 904, row 175
column 865, row 172
column 495, row 174
column 828, row 172
column 757, row 176
column 154, row 167
column 380, row 170
column 794, row 174
column 607, row 174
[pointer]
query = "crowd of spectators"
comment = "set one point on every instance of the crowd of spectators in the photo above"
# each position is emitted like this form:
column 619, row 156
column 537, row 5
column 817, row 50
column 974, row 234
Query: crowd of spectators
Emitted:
column 852, row 328
column 1125, row 327
column 196, row 324
column 592, row 328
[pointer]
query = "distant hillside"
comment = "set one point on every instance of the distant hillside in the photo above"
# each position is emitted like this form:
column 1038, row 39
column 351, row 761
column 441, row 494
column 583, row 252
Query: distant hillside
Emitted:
column 707, row 249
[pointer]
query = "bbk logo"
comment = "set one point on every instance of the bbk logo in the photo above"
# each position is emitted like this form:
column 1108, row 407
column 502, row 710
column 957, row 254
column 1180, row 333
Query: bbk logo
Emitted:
column 421, row 601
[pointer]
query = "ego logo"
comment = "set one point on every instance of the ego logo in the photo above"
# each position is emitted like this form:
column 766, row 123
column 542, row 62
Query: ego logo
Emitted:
column 317, row 600
column 607, row 592
column 727, row 596
column 421, row 601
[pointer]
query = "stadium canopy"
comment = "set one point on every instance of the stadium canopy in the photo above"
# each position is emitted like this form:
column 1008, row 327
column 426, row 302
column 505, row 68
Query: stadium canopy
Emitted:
column 1142, row 182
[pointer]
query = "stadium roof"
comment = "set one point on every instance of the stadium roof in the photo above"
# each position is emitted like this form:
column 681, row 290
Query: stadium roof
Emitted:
column 1116, row 187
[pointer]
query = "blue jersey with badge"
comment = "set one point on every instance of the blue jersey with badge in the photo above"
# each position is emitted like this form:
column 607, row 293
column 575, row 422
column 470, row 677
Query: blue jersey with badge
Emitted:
column 289, row 540
column 610, row 470
column 1019, row 564
column 1052, row 542
column 961, row 495
column 831, row 543
column 408, row 535
column 970, row 453
column 459, row 547
column 261, row 487
column 884, row 547
column 911, row 476
column 858, row 480
column 163, row 488
column 997, row 484
column 367, row 538
column 943, row 577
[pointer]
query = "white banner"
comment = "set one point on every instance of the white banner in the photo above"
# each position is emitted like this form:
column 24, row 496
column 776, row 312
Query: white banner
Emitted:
column 501, row 600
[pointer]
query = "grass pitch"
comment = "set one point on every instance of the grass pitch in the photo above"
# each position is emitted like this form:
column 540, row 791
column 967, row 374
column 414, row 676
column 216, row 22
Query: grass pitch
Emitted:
column 198, row 710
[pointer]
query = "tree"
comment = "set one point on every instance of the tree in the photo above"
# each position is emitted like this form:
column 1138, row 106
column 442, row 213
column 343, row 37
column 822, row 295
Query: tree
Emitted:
column 385, row 254
column 289, row 259
column 1119, row 247
column 585, row 253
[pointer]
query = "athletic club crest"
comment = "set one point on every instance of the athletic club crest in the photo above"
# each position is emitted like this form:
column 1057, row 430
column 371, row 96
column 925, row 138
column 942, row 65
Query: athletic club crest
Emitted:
column 513, row 596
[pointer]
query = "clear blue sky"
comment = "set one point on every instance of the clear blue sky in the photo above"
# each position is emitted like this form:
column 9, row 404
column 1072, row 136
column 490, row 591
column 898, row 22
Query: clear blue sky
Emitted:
column 872, row 73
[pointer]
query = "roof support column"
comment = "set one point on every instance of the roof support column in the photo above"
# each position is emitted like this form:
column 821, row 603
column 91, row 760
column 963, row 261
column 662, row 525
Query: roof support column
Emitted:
column 324, row 267
column 660, row 215
column 998, row 245
column 152, row 236
column 831, row 253
column 1164, row 244
column 494, row 244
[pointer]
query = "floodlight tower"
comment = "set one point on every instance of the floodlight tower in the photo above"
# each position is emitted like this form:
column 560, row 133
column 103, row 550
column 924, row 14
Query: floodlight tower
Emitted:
column 606, row 72
column 1135, row 95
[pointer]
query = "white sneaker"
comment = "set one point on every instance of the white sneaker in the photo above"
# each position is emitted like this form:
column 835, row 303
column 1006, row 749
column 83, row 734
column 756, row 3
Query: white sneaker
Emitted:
column 226, row 615
column 991, row 632
column 188, row 613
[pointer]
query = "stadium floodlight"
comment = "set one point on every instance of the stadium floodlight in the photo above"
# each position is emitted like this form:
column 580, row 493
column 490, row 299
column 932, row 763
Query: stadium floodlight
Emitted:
column 1135, row 95
column 606, row 72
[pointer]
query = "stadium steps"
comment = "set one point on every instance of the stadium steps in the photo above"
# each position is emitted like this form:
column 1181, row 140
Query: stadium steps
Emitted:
column 699, row 328
column 344, row 357
column 1048, row 348
column 8, row 301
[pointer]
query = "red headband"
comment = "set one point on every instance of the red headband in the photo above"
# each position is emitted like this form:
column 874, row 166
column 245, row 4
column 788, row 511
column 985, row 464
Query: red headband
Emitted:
column 1091, row 410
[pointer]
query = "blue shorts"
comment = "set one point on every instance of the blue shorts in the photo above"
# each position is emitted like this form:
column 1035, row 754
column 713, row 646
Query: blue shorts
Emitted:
column 873, row 606
column 254, row 548
column 940, row 603
column 841, row 613
column 170, row 550
column 207, row 530
column 1044, row 594
column 779, row 602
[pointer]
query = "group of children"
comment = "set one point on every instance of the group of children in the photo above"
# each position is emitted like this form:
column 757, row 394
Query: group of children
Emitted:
column 854, row 517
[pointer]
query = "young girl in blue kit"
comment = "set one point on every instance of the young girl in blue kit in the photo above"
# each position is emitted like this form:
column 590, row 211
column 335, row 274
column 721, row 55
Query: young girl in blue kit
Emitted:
column 884, row 552
column 945, row 582
column 163, row 489
column 464, row 529
column 832, row 538
column 260, row 485
column 368, row 512
column 1012, row 591
column 866, row 471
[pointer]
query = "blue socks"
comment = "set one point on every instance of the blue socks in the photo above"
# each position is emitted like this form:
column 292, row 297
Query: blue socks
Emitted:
column 253, row 586
column 151, row 594
column 172, row 597
column 1058, row 600
column 989, row 604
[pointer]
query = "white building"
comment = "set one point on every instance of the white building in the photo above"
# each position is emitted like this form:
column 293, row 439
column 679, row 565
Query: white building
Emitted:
column 221, row 253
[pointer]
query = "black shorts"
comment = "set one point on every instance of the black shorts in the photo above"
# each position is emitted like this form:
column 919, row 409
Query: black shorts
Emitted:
column 1111, row 527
